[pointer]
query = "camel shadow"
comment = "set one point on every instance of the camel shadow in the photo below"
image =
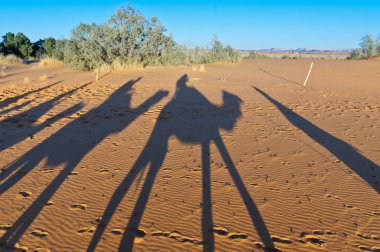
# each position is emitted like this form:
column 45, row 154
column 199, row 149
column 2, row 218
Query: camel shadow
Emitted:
column 18, row 127
column 365, row 168
column 5, row 103
column 69, row 146
column 191, row 118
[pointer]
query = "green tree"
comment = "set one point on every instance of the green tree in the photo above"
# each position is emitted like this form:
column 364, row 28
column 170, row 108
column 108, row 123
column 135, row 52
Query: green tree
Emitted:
column 368, row 46
column 59, row 51
column 10, row 44
column 2, row 48
column 48, row 46
column 24, row 45
column 18, row 45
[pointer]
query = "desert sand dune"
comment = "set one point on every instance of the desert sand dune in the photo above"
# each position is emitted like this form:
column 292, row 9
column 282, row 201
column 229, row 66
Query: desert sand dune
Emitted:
column 173, row 159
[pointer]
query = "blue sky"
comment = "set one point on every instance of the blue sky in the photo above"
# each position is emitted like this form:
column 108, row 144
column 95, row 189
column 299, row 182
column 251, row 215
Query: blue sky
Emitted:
column 243, row 24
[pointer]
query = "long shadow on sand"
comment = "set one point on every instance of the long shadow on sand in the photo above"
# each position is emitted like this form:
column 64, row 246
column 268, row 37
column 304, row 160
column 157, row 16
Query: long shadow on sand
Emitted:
column 11, row 100
column 68, row 146
column 365, row 168
column 191, row 118
column 18, row 127
column 279, row 77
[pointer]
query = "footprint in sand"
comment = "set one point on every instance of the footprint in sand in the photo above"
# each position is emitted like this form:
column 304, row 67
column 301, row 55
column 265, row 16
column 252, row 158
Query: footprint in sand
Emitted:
column 49, row 203
column 24, row 194
column 175, row 235
column 368, row 236
column 139, row 234
column 86, row 230
column 231, row 235
column 78, row 207
column 40, row 233
column 314, row 240
column 102, row 171
column 42, row 250
column 235, row 236
column 279, row 239
column 367, row 248
column 312, row 237
column 117, row 231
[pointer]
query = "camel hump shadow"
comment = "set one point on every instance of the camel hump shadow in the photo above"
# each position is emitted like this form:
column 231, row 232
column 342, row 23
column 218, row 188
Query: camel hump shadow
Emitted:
column 192, row 118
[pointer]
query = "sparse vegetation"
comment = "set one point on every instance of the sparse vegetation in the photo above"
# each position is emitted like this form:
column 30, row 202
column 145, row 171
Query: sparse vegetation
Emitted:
column 254, row 55
column 128, row 40
column 369, row 48
column 136, row 41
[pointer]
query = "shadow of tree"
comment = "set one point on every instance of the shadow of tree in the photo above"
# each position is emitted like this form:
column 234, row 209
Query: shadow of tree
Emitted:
column 68, row 146
column 365, row 168
column 191, row 118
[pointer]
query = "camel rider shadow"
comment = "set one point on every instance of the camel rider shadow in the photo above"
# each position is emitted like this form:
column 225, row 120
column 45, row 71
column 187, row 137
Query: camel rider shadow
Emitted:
column 193, row 119
column 68, row 146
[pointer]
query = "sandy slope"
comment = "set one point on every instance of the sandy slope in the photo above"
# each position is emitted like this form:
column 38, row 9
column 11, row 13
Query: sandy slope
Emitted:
column 233, row 159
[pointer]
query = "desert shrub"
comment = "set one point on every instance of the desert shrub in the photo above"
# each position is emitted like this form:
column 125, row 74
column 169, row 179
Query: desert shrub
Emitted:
column 196, row 55
column 59, row 50
column 355, row 54
column 378, row 46
column 221, row 53
column 217, row 53
column 176, row 56
column 368, row 46
column 286, row 57
column 254, row 55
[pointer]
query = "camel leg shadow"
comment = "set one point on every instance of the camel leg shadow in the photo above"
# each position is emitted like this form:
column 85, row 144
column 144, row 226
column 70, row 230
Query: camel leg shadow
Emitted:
column 252, row 209
column 207, row 222
column 143, row 160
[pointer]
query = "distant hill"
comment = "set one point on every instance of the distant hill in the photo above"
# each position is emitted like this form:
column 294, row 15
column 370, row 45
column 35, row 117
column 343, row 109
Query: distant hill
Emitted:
column 299, row 50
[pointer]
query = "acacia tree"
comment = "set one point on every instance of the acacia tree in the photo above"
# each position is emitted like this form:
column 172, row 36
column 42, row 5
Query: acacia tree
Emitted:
column 127, row 38
column 368, row 46
column 84, row 51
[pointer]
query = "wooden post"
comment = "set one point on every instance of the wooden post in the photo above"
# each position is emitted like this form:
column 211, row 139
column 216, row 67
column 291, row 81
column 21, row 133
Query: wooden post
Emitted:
column 307, row 77
column 97, row 74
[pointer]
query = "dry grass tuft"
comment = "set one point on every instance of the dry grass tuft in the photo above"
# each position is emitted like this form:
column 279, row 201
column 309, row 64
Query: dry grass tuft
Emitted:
column 198, row 68
column 26, row 79
column 50, row 62
column 118, row 66
column 10, row 59
column 3, row 73
column 44, row 77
